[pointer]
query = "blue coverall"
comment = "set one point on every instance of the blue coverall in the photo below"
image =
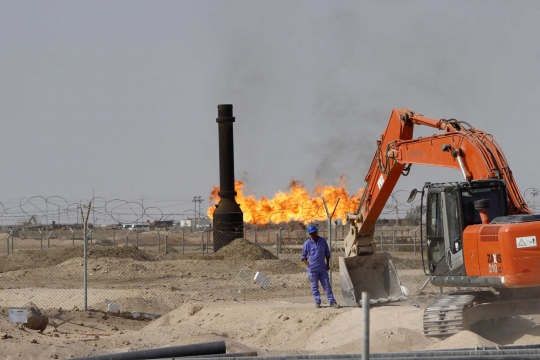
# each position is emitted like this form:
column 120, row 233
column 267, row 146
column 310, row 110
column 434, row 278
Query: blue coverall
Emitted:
column 315, row 253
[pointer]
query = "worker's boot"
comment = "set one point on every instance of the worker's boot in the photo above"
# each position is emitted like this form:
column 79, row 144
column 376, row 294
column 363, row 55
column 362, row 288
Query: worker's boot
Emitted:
column 335, row 305
column 318, row 305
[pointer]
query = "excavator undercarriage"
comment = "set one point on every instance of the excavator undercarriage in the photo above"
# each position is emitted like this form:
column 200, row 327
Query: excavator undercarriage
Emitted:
column 460, row 310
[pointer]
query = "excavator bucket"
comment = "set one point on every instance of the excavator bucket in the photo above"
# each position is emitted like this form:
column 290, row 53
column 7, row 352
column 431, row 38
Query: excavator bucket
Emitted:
column 374, row 274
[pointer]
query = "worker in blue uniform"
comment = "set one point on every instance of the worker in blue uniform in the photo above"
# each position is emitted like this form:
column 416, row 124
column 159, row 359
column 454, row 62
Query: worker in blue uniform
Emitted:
column 316, row 256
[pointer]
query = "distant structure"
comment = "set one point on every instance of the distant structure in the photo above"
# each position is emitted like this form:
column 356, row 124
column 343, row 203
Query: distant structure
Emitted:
column 228, row 218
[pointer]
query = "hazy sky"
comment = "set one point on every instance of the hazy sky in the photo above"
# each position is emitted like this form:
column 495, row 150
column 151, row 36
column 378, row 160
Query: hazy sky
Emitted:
column 120, row 97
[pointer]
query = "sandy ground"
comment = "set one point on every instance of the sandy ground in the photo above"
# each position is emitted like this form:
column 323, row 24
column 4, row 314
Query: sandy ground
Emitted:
column 194, row 308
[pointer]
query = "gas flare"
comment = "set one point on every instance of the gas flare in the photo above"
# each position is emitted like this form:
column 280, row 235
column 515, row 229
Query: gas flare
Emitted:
column 298, row 204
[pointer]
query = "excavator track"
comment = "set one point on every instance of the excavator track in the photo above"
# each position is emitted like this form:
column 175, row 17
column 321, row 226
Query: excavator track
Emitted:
column 458, row 311
column 445, row 317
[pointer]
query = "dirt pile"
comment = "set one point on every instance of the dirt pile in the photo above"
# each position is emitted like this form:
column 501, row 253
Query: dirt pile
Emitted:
column 462, row 340
column 242, row 249
column 399, row 339
column 31, row 259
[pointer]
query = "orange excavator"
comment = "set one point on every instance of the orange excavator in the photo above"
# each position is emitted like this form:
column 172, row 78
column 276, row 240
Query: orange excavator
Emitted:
column 477, row 233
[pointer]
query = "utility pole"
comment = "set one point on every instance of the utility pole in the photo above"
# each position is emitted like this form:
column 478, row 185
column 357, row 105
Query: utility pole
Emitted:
column 195, row 215
column 199, row 213
column 93, row 212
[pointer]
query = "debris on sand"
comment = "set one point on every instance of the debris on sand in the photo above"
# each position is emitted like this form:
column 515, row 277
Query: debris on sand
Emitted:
column 462, row 340
column 399, row 339
column 242, row 249
column 36, row 320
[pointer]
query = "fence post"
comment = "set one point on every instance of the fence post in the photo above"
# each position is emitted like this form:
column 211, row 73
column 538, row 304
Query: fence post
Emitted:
column 72, row 237
column 114, row 237
column 7, row 244
column 158, row 242
column 85, row 262
column 394, row 239
column 40, row 239
column 183, row 239
column 166, row 240
column 12, row 241
column 365, row 323
column 136, row 239
column 277, row 243
column 127, row 235
column 202, row 242
column 415, row 230
column 256, row 234
column 208, row 239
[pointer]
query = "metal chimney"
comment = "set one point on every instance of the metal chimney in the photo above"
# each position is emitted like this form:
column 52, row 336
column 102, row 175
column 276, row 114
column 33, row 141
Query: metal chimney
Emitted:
column 228, row 218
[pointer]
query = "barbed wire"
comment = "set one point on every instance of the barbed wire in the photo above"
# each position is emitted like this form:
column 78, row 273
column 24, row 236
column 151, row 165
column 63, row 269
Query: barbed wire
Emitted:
column 37, row 210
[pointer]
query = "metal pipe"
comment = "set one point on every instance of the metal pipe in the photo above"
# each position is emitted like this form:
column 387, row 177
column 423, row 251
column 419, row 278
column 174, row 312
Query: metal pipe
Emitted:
column 474, row 354
column 246, row 354
column 208, row 348
column 365, row 323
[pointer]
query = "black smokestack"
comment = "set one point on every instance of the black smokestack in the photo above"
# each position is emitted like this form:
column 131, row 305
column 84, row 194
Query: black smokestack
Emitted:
column 228, row 218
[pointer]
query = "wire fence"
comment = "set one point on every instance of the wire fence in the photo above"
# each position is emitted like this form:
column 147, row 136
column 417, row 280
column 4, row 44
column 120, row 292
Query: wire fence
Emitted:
column 152, row 268
column 153, row 271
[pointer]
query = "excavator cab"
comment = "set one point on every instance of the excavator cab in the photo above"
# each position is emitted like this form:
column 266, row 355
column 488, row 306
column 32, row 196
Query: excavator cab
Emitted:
column 449, row 209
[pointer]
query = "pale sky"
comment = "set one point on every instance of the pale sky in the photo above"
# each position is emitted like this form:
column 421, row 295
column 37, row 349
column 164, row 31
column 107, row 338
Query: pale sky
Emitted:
column 120, row 97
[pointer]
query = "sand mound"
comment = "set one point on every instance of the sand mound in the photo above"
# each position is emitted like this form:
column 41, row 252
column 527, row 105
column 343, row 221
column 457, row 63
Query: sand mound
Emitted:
column 31, row 259
column 120, row 252
column 278, row 266
column 242, row 249
column 398, row 340
column 462, row 340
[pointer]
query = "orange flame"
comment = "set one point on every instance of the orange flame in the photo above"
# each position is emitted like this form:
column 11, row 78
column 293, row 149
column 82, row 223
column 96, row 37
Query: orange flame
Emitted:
column 295, row 205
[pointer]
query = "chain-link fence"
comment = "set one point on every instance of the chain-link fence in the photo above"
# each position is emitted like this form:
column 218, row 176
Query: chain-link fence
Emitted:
column 153, row 271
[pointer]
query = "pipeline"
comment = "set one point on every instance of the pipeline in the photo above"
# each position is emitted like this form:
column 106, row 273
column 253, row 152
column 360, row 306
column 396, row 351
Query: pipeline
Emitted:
column 229, row 355
column 208, row 348
column 521, row 352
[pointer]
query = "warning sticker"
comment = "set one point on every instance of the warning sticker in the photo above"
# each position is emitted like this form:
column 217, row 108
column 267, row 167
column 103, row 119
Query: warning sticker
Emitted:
column 527, row 241
column 380, row 182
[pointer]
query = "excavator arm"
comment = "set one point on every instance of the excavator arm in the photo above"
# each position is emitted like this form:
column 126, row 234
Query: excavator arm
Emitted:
column 460, row 146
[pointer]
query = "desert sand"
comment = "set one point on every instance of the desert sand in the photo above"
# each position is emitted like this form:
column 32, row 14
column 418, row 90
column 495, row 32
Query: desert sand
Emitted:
column 214, row 308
